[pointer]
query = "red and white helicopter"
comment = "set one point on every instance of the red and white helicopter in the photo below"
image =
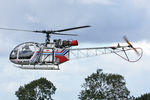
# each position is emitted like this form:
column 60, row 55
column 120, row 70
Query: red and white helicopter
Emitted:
column 49, row 55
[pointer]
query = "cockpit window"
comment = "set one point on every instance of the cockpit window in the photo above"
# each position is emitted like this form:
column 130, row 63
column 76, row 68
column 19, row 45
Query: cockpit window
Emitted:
column 25, row 54
column 14, row 54
column 24, row 51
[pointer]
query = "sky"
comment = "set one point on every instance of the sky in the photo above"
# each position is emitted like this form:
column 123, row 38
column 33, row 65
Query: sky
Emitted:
column 110, row 21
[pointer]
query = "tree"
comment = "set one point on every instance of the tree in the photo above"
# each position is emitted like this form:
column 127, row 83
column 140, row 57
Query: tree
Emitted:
column 40, row 89
column 144, row 97
column 103, row 86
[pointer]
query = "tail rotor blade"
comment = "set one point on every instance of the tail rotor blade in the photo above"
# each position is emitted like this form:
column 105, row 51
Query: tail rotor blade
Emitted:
column 135, row 50
column 126, row 39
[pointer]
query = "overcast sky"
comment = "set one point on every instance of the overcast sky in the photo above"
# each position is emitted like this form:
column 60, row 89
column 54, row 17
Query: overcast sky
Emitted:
column 110, row 21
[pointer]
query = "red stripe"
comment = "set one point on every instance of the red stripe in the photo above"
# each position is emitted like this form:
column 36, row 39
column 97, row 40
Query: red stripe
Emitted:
column 59, row 52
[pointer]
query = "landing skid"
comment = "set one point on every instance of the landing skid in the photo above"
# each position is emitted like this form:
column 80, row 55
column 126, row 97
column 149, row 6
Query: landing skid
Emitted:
column 38, row 67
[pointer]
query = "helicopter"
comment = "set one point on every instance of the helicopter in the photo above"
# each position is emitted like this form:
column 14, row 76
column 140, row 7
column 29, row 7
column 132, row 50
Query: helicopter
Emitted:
column 49, row 55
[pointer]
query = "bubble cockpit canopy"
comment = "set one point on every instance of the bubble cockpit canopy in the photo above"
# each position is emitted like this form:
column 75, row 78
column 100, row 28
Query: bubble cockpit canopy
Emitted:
column 23, row 52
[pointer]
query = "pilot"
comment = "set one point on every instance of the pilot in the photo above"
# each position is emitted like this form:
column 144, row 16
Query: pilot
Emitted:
column 26, row 48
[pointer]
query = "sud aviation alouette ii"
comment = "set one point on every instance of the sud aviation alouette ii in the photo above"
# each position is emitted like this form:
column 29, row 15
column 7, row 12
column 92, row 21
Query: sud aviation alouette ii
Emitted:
column 49, row 55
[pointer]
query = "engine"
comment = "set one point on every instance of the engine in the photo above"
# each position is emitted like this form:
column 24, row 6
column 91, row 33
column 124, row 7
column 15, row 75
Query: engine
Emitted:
column 65, row 43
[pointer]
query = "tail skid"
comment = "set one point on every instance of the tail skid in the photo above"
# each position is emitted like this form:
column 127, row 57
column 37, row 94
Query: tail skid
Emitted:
column 126, row 56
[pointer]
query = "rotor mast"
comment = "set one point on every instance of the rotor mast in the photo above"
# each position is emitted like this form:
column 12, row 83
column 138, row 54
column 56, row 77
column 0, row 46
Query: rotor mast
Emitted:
column 47, row 40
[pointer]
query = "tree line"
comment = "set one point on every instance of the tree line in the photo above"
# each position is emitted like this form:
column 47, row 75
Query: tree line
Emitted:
column 97, row 86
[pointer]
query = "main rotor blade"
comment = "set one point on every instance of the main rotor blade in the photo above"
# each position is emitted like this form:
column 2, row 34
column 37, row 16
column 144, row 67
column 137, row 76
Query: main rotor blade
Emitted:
column 16, row 29
column 46, row 31
column 64, row 34
column 68, row 29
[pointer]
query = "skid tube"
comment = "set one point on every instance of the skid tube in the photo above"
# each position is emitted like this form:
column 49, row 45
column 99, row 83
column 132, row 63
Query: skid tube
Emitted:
column 38, row 67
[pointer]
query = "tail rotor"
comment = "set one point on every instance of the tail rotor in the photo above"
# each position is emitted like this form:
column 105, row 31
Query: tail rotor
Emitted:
column 130, row 45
